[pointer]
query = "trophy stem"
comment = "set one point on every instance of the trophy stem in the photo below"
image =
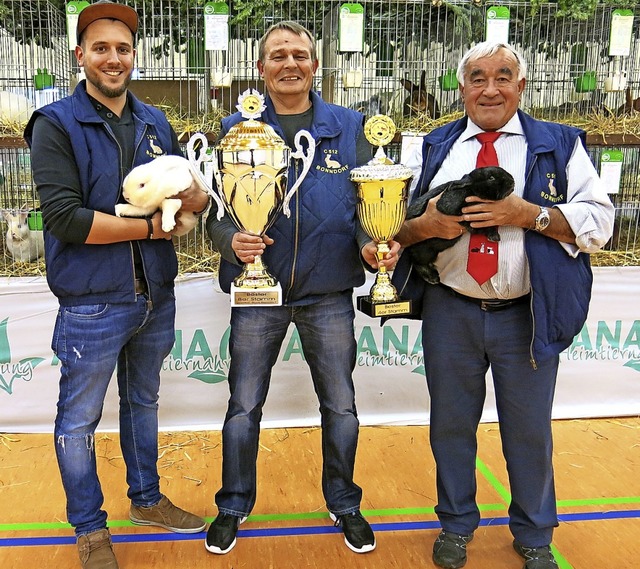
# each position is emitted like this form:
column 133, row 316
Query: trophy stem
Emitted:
column 255, row 275
column 382, row 290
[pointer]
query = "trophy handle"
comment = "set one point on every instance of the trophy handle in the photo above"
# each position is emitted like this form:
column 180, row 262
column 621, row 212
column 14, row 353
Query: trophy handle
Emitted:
column 306, row 165
column 196, row 160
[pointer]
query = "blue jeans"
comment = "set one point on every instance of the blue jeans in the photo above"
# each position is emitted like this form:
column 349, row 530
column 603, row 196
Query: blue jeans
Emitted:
column 90, row 340
column 460, row 342
column 327, row 335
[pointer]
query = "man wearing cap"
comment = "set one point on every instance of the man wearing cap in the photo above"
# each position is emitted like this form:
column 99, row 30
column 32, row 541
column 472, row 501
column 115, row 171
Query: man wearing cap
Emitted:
column 113, row 277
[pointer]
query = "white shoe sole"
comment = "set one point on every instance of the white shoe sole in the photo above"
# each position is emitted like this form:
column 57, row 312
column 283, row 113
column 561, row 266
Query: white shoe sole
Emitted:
column 217, row 550
column 363, row 549
column 169, row 528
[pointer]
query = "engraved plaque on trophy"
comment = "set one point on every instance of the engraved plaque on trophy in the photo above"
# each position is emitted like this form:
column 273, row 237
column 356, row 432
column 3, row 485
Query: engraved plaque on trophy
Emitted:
column 250, row 167
column 382, row 207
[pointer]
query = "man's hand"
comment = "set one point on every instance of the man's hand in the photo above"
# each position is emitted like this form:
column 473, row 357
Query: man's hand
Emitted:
column 432, row 223
column 369, row 254
column 516, row 211
column 512, row 210
column 193, row 198
column 247, row 246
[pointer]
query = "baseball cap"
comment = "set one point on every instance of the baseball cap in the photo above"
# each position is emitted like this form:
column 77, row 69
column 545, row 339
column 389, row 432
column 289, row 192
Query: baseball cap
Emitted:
column 106, row 9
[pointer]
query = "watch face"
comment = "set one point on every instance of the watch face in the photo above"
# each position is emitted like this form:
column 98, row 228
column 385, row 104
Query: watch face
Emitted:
column 543, row 219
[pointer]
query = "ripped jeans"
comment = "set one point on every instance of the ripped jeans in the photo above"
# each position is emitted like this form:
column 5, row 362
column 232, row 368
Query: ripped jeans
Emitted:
column 89, row 341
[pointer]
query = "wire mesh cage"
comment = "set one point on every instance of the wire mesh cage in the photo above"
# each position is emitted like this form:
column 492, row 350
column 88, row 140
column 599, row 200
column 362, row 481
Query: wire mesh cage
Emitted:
column 406, row 68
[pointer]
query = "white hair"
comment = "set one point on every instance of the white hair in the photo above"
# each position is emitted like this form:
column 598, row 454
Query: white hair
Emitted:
column 487, row 49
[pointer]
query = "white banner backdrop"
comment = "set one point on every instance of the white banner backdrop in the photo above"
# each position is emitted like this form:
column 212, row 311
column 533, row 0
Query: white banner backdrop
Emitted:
column 599, row 374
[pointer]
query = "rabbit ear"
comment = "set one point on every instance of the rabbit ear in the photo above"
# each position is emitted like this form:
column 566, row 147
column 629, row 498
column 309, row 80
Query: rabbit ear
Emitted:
column 408, row 85
column 423, row 80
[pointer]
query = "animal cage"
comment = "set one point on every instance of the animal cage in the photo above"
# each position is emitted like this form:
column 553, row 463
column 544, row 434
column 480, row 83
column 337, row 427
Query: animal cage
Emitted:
column 404, row 67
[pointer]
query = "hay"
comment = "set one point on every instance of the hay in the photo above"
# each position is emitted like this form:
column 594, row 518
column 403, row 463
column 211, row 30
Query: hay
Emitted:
column 197, row 258
column 593, row 123
column 192, row 259
column 11, row 128
column 630, row 258
column 186, row 124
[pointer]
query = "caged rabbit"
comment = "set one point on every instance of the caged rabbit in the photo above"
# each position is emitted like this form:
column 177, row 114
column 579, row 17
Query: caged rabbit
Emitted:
column 22, row 243
column 419, row 100
column 156, row 185
column 490, row 183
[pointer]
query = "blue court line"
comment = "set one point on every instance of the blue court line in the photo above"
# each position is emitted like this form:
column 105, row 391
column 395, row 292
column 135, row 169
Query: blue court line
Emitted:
column 304, row 530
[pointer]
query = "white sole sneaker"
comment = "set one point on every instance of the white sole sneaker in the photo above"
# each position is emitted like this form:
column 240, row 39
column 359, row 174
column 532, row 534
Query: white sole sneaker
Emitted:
column 364, row 549
column 217, row 550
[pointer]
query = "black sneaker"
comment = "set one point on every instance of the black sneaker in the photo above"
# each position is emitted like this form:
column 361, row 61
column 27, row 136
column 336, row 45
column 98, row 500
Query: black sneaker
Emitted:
column 221, row 535
column 536, row 557
column 450, row 550
column 358, row 534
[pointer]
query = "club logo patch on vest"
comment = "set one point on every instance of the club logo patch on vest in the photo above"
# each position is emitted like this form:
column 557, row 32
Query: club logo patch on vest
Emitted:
column 332, row 163
column 154, row 150
column 550, row 193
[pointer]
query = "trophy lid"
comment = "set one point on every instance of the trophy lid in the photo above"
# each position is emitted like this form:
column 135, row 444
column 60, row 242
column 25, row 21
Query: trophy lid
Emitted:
column 251, row 134
column 377, row 171
column 380, row 130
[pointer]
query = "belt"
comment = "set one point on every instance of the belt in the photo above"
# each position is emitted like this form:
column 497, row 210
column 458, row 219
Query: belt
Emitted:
column 141, row 286
column 489, row 304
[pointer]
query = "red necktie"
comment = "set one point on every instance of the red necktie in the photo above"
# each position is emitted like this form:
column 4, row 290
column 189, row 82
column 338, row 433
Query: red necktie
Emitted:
column 482, row 262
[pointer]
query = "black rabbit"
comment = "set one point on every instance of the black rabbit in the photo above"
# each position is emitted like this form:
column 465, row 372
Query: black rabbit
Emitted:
column 490, row 183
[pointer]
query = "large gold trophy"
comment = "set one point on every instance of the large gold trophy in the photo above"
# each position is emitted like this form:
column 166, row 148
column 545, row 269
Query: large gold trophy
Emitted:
column 250, row 166
column 382, row 207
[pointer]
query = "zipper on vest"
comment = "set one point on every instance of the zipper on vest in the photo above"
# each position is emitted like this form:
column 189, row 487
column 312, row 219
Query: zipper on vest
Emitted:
column 532, row 359
column 296, row 234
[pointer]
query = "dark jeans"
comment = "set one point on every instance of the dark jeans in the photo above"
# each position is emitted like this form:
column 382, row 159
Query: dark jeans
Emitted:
column 89, row 341
column 327, row 335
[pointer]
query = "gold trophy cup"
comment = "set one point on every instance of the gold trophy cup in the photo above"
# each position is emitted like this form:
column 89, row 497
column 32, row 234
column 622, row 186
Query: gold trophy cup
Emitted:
column 382, row 207
column 250, row 167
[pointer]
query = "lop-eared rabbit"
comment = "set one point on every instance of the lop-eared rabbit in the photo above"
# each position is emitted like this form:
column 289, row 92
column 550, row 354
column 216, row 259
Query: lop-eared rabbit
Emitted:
column 22, row 243
column 489, row 183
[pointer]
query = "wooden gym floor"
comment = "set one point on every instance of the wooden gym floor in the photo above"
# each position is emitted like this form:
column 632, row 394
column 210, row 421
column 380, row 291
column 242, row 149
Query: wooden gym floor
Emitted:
column 597, row 465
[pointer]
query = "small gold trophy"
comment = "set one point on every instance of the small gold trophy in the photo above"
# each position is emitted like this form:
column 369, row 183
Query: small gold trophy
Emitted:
column 382, row 207
column 250, row 167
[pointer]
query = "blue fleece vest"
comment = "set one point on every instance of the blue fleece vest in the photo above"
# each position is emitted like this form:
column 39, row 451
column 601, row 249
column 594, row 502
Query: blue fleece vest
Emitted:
column 88, row 274
column 560, row 284
column 315, row 250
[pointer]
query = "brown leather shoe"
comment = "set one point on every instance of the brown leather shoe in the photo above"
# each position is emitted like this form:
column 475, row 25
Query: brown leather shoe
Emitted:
column 96, row 550
column 165, row 515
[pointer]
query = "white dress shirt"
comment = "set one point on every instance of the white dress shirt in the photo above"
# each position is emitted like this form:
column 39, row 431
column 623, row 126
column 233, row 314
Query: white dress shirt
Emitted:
column 588, row 211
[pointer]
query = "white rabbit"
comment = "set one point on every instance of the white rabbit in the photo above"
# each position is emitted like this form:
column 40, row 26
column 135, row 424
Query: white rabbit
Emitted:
column 155, row 185
column 22, row 243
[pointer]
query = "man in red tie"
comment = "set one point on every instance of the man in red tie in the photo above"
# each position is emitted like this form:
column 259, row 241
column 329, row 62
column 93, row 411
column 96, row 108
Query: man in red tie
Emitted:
column 511, row 306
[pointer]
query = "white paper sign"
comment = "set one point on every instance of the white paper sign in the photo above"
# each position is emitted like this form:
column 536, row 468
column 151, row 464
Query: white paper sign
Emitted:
column 216, row 30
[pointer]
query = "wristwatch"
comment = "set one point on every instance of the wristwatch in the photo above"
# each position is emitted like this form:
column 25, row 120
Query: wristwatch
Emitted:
column 543, row 219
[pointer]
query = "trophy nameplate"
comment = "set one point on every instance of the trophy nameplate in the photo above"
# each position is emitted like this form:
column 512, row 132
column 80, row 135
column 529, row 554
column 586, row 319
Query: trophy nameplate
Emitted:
column 382, row 207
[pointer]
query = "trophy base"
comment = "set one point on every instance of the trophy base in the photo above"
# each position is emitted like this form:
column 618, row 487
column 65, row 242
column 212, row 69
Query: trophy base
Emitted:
column 393, row 308
column 248, row 296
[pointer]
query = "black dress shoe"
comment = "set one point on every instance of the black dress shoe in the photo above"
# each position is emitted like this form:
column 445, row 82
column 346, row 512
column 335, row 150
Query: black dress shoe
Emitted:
column 536, row 557
column 450, row 550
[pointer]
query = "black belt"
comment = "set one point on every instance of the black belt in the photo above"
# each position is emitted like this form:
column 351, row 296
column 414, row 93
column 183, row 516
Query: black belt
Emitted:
column 489, row 304
column 141, row 286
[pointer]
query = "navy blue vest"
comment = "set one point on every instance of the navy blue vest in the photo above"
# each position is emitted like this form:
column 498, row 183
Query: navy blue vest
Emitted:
column 315, row 250
column 88, row 274
column 560, row 284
